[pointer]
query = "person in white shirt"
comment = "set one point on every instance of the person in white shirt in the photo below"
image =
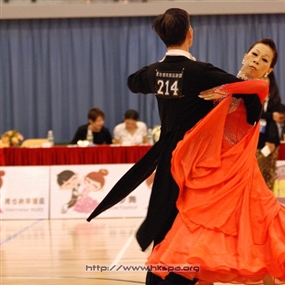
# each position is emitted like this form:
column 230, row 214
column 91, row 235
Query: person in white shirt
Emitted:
column 131, row 131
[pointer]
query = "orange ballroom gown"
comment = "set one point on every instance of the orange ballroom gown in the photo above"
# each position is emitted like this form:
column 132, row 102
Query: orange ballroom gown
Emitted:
column 230, row 227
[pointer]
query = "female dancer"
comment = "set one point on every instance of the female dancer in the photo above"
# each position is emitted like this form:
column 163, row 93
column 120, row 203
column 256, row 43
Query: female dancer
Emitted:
column 229, row 223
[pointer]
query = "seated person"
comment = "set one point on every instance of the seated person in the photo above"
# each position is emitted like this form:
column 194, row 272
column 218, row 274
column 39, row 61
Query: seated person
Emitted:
column 101, row 135
column 131, row 131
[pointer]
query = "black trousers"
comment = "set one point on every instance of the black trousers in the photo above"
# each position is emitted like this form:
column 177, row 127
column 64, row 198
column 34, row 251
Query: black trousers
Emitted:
column 171, row 279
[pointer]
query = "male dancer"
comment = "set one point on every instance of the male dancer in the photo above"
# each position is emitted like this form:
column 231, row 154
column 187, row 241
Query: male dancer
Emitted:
column 177, row 81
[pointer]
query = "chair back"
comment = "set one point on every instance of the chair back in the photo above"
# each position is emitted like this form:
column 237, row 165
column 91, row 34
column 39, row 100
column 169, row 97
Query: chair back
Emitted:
column 34, row 142
column 3, row 144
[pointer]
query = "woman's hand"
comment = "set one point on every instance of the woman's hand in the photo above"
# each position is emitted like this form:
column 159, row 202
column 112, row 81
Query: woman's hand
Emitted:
column 212, row 94
column 271, row 146
column 115, row 141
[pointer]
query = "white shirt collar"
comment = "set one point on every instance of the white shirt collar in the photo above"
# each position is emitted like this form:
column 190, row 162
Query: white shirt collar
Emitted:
column 179, row 52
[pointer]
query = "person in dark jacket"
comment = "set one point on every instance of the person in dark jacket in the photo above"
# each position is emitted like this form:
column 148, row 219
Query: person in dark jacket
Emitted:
column 96, row 119
column 269, row 137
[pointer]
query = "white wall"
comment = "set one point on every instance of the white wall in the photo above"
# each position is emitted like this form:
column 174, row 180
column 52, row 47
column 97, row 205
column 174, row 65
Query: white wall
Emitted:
column 94, row 8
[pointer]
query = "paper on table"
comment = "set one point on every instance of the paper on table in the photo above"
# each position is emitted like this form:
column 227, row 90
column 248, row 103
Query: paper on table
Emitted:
column 265, row 150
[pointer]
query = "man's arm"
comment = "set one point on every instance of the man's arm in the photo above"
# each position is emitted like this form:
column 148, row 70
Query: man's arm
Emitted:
column 213, row 76
column 253, row 107
column 138, row 83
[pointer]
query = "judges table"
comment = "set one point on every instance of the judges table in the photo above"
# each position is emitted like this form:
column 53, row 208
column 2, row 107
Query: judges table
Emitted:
column 281, row 151
column 64, row 155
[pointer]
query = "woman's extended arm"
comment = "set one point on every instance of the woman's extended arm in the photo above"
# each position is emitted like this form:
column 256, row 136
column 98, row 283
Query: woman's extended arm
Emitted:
column 249, row 87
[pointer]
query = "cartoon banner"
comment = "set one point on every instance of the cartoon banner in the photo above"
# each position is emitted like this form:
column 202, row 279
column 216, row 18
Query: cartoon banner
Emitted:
column 76, row 190
column 73, row 191
column 279, row 185
column 24, row 192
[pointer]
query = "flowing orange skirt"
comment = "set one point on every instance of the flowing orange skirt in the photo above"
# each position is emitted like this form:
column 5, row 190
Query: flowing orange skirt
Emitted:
column 230, row 227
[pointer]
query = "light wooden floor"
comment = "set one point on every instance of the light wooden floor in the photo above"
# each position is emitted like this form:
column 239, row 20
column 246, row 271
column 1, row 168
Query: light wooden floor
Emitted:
column 70, row 252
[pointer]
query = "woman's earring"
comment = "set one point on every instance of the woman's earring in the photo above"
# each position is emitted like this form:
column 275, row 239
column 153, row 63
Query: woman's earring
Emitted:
column 242, row 61
column 266, row 74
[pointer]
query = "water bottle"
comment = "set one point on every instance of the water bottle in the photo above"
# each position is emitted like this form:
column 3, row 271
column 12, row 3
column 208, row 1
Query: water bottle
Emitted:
column 50, row 137
column 89, row 137
column 149, row 137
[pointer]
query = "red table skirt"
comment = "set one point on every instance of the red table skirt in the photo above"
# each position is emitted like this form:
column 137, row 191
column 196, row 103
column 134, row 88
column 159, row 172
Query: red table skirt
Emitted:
column 281, row 151
column 2, row 160
column 61, row 155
